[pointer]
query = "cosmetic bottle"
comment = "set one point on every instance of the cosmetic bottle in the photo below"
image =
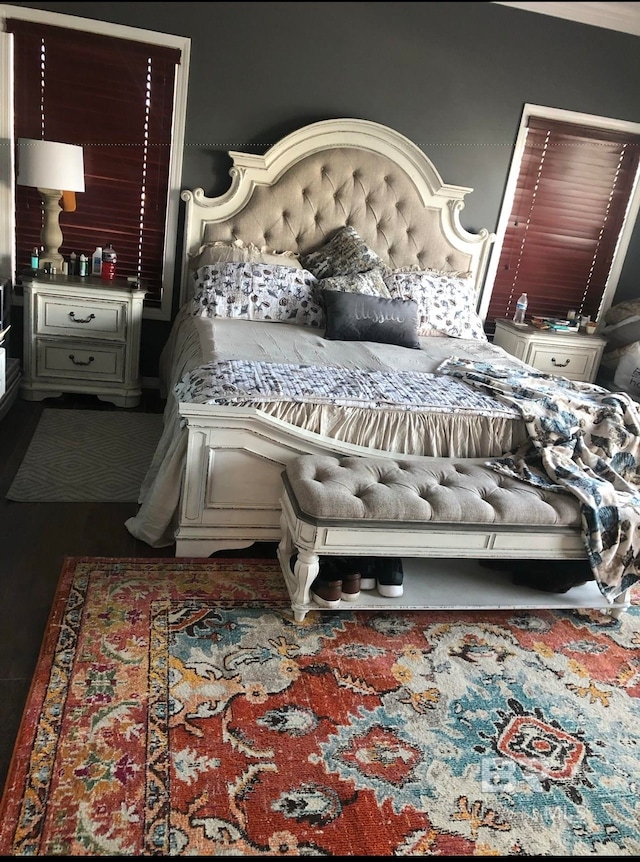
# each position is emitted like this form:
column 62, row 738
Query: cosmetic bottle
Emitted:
column 96, row 261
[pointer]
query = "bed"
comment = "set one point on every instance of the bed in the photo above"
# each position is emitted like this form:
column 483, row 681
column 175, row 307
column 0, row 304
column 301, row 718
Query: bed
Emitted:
column 329, row 307
column 348, row 190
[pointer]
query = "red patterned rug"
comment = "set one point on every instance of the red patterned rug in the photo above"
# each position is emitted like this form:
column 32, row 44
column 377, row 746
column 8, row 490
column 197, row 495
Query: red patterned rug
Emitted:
column 177, row 709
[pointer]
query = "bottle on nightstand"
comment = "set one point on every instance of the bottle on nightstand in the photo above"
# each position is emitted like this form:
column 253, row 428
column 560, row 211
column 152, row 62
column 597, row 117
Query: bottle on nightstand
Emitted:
column 521, row 310
column 96, row 261
column 108, row 268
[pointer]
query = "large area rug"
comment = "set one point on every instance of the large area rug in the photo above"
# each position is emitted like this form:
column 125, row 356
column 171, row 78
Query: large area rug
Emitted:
column 177, row 709
column 84, row 456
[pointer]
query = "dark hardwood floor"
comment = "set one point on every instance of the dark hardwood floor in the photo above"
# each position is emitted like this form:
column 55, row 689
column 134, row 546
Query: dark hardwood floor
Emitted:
column 35, row 539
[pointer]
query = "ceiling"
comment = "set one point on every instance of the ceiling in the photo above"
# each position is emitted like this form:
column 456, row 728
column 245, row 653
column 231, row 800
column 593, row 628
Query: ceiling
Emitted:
column 624, row 17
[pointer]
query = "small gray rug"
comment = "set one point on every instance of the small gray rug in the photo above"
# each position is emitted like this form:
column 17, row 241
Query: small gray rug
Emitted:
column 78, row 456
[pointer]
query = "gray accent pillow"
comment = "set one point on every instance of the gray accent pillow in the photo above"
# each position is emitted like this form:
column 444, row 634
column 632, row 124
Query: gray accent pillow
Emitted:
column 360, row 317
column 345, row 253
column 627, row 331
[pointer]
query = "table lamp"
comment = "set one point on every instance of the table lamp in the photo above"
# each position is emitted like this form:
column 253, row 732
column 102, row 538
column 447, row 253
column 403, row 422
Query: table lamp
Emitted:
column 52, row 168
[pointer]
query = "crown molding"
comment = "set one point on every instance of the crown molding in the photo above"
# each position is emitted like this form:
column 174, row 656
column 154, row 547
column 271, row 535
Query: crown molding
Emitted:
column 624, row 17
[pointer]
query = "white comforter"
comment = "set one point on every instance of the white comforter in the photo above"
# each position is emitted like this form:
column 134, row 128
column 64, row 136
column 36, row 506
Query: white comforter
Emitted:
column 197, row 341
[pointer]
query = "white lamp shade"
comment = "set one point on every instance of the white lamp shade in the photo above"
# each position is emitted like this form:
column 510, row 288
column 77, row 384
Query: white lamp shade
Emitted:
column 50, row 165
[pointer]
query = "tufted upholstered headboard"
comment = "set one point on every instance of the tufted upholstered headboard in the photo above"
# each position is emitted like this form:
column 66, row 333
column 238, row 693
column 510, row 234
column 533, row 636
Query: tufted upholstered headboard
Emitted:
column 332, row 173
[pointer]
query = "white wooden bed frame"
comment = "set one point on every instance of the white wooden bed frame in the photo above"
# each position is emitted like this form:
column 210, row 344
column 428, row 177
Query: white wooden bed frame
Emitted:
column 315, row 180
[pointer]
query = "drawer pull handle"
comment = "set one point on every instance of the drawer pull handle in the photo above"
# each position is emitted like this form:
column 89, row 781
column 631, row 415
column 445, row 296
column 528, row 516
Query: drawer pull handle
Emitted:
column 81, row 319
column 559, row 364
column 79, row 361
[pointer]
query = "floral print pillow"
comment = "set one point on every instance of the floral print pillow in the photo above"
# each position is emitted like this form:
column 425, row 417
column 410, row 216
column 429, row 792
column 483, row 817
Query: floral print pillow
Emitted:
column 446, row 303
column 369, row 283
column 257, row 291
column 346, row 253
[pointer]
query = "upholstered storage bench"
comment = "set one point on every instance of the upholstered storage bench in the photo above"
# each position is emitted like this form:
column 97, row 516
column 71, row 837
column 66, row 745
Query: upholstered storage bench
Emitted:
column 452, row 512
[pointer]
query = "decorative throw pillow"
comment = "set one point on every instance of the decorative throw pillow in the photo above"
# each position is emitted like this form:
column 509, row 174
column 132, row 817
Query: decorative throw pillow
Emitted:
column 238, row 252
column 370, row 283
column 623, row 333
column 345, row 254
column 256, row 291
column 361, row 317
column 445, row 303
column 621, row 311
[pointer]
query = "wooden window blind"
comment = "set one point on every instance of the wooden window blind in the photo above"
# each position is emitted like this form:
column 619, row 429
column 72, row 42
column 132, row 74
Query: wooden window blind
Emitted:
column 115, row 98
column 571, row 198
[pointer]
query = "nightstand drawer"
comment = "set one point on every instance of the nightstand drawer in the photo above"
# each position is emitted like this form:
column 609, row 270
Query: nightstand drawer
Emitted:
column 70, row 359
column 576, row 364
column 56, row 315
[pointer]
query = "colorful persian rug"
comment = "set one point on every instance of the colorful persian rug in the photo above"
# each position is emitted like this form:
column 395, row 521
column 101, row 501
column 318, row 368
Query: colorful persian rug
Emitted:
column 177, row 709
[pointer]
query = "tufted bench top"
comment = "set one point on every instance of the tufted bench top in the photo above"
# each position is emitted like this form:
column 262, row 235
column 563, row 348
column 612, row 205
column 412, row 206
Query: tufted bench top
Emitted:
column 434, row 490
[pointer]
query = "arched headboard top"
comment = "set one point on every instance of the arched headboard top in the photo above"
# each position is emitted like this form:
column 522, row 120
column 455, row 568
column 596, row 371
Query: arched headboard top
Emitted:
column 337, row 172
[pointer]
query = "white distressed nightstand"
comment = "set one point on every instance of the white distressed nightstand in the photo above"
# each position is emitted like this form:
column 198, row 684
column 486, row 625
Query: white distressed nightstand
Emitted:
column 81, row 335
column 573, row 355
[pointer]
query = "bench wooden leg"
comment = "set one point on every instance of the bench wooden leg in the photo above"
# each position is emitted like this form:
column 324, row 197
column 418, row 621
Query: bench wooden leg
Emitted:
column 305, row 571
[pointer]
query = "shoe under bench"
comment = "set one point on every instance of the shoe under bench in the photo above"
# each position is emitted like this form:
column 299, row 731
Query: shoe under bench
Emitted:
column 441, row 517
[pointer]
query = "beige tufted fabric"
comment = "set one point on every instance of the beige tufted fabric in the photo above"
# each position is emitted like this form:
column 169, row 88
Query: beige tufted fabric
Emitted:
column 434, row 491
column 327, row 190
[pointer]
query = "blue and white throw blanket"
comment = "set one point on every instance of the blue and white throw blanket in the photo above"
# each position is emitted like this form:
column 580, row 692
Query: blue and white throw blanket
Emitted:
column 583, row 440
column 246, row 382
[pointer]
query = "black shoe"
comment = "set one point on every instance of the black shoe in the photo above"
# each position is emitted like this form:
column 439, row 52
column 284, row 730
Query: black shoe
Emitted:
column 389, row 576
column 553, row 576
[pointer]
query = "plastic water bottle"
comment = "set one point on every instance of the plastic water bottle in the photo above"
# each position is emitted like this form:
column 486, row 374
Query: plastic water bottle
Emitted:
column 521, row 310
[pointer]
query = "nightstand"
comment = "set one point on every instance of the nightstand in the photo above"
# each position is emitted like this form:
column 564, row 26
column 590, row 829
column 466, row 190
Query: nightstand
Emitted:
column 573, row 355
column 81, row 335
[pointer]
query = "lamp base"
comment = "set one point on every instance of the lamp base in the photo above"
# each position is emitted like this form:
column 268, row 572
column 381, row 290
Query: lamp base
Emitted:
column 56, row 260
column 51, row 235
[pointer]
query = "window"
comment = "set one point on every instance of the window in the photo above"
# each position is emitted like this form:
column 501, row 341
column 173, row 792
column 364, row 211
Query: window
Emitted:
column 117, row 97
column 570, row 208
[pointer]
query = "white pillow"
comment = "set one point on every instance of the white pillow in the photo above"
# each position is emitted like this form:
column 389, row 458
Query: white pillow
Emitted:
column 225, row 252
column 446, row 303
column 257, row 291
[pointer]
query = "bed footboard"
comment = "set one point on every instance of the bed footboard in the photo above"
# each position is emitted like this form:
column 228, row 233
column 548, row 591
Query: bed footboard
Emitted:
column 233, row 476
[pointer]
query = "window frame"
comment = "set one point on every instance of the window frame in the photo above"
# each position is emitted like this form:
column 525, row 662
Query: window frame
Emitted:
column 578, row 119
column 7, row 154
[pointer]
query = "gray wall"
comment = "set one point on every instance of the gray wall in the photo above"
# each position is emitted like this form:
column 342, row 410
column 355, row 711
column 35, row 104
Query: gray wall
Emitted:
column 452, row 77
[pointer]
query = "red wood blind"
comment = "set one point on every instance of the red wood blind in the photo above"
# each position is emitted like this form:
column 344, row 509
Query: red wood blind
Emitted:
column 115, row 98
column 568, row 210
